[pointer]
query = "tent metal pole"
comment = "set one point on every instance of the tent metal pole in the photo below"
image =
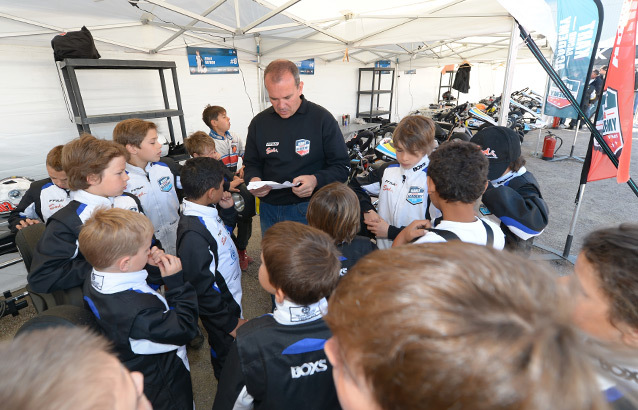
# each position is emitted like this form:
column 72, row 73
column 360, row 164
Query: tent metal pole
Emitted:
column 509, row 75
column 572, row 228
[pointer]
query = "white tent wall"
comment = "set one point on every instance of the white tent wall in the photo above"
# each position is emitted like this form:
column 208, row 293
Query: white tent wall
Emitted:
column 418, row 90
column 35, row 118
column 425, row 34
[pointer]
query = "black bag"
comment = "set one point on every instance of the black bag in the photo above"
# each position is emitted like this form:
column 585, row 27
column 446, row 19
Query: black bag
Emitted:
column 74, row 44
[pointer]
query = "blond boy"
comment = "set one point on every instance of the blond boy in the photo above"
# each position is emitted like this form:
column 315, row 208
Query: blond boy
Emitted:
column 149, row 331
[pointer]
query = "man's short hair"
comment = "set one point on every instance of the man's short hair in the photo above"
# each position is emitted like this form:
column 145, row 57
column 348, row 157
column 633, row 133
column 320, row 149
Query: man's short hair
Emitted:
column 212, row 112
column 462, row 326
column 459, row 171
column 55, row 368
column 86, row 156
column 613, row 253
column 415, row 133
column 199, row 143
column 200, row 174
column 54, row 158
column 596, row 72
column 301, row 260
column 110, row 234
column 335, row 210
column 132, row 131
column 278, row 68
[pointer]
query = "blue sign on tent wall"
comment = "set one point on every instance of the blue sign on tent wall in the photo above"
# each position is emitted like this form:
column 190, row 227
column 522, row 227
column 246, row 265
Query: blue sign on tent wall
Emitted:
column 212, row 60
column 383, row 64
column 306, row 66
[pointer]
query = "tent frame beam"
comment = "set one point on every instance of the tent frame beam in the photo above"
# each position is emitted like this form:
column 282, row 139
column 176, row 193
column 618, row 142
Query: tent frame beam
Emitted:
column 187, row 13
column 269, row 15
column 303, row 22
column 184, row 29
column 62, row 30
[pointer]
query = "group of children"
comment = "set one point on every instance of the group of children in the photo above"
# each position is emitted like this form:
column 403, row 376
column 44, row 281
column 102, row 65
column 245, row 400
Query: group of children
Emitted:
column 101, row 241
column 115, row 230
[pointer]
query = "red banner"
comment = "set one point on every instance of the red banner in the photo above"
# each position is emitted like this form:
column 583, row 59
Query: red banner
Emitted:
column 615, row 118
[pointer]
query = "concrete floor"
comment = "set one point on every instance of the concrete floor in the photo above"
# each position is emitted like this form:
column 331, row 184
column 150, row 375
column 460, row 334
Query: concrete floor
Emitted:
column 605, row 203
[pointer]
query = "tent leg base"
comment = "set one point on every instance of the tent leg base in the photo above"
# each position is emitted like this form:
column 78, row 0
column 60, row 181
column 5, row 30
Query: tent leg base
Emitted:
column 551, row 255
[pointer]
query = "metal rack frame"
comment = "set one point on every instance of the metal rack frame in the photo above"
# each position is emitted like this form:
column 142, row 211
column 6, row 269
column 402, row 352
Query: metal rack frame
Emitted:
column 374, row 111
column 82, row 120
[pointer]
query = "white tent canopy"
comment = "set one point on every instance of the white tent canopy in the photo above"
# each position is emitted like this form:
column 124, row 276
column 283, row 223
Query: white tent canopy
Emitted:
column 426, row 32
column 411, row 34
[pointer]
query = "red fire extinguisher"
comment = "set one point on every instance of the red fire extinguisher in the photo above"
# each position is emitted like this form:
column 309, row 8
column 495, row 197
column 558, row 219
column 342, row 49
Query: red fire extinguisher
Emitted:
column 549, row 146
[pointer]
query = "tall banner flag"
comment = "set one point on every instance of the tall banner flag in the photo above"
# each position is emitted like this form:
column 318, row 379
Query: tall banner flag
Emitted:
column 615, row 116
column 578, row 22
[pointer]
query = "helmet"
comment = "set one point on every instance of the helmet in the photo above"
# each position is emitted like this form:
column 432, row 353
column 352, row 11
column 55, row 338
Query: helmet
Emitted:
column 12, row 190
column 385, row 150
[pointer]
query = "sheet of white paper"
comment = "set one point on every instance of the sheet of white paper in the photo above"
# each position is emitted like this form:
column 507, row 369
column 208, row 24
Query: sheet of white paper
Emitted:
column 272, row 184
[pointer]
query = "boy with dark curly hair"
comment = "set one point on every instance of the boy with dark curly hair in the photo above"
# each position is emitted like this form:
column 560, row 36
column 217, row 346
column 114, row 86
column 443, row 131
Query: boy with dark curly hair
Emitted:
column 604, row 290
column 457, row 177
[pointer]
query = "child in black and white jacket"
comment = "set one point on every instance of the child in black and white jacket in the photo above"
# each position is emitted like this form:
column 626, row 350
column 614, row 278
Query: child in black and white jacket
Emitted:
column 149, row 331
column 513, row 194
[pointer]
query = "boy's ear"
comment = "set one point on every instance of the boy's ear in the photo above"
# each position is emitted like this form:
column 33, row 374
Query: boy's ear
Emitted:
column 487, row 183
column 132, row 149
column 124, row 263
column 195, row 155
column 431, row 186
column 210, row 193
column 279, row 295
column 93, row 179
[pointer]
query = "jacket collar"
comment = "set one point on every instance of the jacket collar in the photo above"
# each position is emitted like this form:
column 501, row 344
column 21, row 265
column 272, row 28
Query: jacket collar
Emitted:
column 505, row 179
column 92, row 199
column 114, row 282
column 290, row 313
column 421, row 166
column 132, row 169
column 218, row 137
column 193, row 209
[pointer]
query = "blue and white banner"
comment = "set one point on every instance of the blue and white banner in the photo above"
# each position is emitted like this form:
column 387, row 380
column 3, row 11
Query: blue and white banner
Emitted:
column 306, row 67
column 578, row 31
column 212, row 60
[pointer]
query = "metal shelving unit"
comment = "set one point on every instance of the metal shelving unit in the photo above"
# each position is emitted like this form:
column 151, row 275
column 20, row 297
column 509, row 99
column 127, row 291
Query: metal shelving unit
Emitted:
column 82, row 120
column 449, row 78
column 375, row 91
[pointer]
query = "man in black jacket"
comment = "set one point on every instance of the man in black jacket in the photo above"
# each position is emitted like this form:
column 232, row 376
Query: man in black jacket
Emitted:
column 294, row 140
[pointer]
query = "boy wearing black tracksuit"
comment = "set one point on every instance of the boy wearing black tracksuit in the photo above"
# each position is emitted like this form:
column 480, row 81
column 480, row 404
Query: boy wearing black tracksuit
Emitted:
column 278, row 359
column 148, row 330
column 209, row 256
column 44, row 197
column 513, row 194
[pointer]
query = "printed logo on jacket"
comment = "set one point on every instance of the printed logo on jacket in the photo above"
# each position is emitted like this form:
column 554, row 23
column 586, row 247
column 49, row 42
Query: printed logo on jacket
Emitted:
column 415, row 195
column 165, row 184
column 302, row 147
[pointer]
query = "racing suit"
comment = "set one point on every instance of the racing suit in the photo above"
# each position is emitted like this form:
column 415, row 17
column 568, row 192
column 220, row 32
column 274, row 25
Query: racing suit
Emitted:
column 148, row 331
column 278, row 362
column 211, row 265
column 42, row 199
column 156, row 189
